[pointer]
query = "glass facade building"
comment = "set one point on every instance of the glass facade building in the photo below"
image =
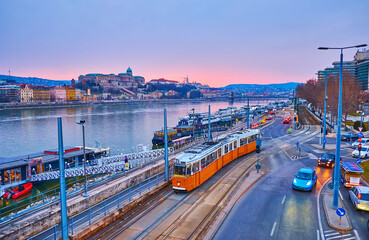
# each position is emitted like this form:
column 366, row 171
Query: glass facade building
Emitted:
column 359, row 67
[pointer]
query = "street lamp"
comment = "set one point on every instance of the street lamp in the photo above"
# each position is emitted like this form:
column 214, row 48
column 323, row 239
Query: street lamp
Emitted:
column 336, row 185
column 325, row 112
column 193, row 123
column 82, row 122
column 362, row 119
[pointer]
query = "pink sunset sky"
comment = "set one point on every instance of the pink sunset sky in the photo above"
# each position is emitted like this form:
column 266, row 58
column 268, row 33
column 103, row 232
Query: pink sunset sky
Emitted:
column 213, row 42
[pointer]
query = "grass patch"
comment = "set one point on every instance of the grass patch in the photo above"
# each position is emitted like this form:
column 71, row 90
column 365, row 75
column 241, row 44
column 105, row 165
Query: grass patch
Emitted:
column 365, row 166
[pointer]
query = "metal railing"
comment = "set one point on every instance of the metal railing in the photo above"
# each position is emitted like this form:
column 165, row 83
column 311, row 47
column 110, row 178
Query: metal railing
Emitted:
column 51, row 196
column 86, row 218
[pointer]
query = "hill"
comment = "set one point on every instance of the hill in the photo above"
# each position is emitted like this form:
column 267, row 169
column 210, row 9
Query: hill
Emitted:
column 35, row 81
column 247, row 87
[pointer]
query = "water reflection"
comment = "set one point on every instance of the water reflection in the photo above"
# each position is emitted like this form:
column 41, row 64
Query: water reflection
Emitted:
column 118, row 126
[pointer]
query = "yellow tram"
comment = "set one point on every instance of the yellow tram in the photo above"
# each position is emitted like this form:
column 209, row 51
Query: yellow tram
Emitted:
column 196, row 165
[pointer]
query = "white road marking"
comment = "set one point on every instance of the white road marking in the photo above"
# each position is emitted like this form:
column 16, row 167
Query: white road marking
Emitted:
column 284, row 198
column 340, row 236
column 328, row 231
column 317, row 235
column 356, row 234
column 340, row 195
column 351, row 238
column 331, row 234
column 274, row 225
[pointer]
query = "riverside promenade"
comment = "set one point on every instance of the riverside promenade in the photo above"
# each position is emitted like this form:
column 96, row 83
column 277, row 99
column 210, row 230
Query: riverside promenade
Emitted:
column 142, row 180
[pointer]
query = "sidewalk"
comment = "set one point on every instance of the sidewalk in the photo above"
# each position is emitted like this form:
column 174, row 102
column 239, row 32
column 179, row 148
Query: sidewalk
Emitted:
column 332, row 218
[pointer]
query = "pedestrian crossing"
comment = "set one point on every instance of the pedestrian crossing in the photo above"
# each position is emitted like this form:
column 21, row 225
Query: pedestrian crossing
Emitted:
column 334, row 235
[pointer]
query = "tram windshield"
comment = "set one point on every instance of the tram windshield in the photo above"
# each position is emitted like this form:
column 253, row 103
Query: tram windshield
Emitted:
column 179, row 170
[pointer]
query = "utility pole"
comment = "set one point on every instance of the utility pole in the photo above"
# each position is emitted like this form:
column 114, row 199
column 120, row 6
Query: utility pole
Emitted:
column 336, row 181
column 193, row 123
column 166, row 146
column 209, row 122
column 325, row 112
column 248, row 113
column 63, row 195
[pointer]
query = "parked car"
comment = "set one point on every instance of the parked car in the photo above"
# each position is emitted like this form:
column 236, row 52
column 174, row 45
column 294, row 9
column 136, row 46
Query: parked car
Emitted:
column 364, row 153
column 349, row 137
column 327, row 160
column 305, row 179
column 359, row 196
column 363, row 142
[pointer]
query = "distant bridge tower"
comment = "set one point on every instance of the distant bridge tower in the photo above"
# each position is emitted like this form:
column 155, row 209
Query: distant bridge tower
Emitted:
column 187, row 80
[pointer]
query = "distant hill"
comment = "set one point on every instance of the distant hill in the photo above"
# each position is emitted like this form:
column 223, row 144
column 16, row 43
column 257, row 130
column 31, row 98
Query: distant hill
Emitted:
column 246, row 87
column 35, row 81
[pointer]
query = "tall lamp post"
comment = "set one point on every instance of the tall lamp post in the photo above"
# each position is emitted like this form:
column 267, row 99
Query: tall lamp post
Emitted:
column 82, row 122
column 361, row 119
column 193, row 123
column 336, row 184
column 325, row 112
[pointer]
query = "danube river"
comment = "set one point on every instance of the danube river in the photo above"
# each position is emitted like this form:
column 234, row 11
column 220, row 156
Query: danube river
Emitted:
column 122, row 127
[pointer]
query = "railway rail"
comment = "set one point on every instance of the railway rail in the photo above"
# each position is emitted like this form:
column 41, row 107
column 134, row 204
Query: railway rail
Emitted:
column 306, row 118
column 220, row 189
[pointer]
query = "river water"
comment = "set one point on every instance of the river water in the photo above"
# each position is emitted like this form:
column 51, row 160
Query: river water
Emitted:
column 122, row 127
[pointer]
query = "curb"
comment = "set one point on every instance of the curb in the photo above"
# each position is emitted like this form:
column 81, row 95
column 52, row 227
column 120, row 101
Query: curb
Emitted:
column 326, row 216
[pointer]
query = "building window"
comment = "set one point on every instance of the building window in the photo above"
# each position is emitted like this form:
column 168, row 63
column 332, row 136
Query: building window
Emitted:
column 12, row 175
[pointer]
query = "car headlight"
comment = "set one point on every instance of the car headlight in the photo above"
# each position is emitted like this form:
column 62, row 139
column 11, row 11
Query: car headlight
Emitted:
column 308, row 183
column 294, row 181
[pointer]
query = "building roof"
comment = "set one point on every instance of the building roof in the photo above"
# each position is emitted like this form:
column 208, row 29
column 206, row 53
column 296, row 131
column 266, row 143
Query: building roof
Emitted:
column 129, row 70
column 351, row 167
column 48, row 156
column 163, row 80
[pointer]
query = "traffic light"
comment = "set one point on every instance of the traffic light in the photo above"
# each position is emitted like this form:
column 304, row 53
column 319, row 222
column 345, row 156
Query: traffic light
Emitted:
column 359, row 147
column 257, row 149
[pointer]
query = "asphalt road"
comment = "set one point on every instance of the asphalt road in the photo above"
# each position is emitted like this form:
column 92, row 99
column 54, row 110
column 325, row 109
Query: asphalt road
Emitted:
column 271, row 209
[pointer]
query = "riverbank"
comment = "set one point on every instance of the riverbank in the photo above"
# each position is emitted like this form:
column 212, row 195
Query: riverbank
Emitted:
column 5, row 106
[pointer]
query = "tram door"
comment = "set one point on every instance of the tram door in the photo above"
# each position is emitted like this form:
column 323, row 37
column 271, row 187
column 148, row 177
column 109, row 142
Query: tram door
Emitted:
column 195, row 169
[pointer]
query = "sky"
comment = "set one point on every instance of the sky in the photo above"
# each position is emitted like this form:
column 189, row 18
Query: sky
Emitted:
column 215, row 42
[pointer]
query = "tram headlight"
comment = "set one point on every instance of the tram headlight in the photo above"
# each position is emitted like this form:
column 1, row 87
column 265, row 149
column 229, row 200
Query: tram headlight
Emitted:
column 178, row 184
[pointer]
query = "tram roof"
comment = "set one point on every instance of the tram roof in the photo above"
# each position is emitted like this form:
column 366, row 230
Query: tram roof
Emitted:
column 202, row 150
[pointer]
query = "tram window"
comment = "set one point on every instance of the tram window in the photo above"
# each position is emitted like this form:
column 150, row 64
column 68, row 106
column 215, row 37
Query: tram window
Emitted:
column 252, row 138
column 219, row 152
column 230, row 147
column 188, row 170
column 196, row 166
column 208, row 160
column 241, row 142
column 235, row 144
column 213, row 156
column 226, row 148
column 179, row 170
column 202, row 163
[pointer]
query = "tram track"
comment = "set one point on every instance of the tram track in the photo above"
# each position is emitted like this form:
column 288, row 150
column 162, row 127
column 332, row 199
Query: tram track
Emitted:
column 199, row 228
column 132, row 219
column 138, row 214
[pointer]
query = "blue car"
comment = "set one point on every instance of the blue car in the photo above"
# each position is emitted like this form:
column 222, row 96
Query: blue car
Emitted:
column 305, row 179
